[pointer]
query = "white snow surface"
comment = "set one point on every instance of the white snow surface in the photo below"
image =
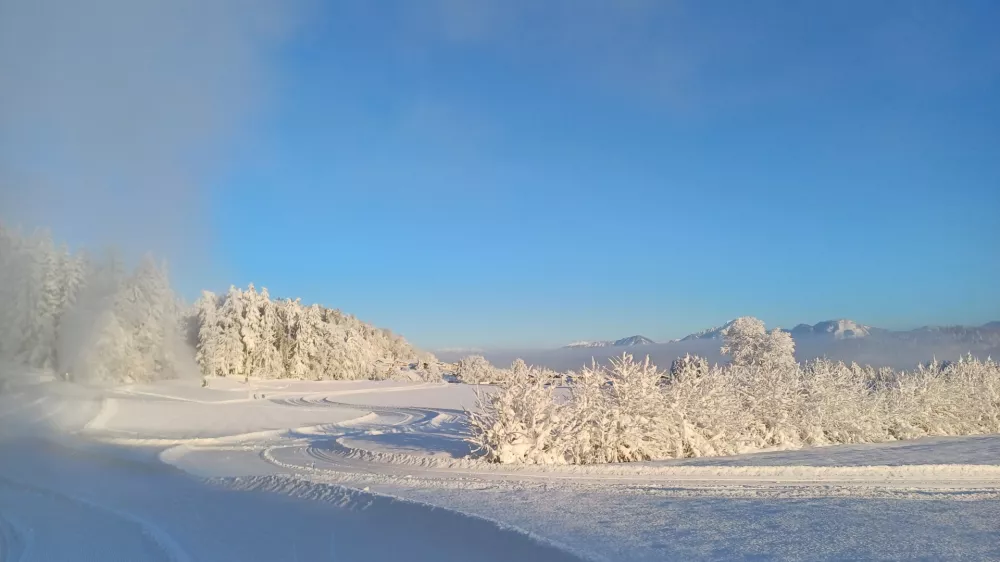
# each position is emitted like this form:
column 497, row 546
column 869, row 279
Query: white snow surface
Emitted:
column 366, row 470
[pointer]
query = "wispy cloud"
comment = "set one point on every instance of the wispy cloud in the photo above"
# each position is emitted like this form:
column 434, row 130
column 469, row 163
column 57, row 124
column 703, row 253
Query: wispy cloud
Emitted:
column 684, row 56
column 114, row 113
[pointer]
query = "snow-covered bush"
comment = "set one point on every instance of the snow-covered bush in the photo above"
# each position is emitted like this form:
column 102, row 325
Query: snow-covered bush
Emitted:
column 475, row 369
column 519, row 421
column 689, row 366
column 428, row 370
column 762, row 399
column 618, row 414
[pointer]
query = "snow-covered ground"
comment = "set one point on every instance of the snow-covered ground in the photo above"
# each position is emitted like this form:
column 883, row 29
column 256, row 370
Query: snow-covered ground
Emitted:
column 282, row 470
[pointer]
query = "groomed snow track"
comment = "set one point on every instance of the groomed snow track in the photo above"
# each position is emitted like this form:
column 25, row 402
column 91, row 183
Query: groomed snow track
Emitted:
column 343, row 450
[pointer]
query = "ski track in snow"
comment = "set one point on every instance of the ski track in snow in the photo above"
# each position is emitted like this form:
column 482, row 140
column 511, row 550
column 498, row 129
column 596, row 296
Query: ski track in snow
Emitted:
column 338, row 449
column 109, row 407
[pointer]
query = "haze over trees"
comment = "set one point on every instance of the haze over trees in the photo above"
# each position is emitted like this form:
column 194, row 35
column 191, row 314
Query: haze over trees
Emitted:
column 76, row 313
column 94, row 320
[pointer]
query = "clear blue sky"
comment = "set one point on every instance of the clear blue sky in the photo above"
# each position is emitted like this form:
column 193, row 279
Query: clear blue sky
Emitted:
column 504, row 174
column 490, row 175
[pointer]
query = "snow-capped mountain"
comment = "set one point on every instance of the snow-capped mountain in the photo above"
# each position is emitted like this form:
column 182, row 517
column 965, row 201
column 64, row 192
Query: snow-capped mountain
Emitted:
column 709, row 334
column 624, row 342
column 844, row 329
column 632, row 340
column 838, row 329
column 987, row 333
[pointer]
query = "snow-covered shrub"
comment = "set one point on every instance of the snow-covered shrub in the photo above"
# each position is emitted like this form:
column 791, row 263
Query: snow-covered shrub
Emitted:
column 689, row 366
column 518, row 422
column 959, row 399
column 429, row 370
column 475, row 369
column 619, row 414
column 761, row 400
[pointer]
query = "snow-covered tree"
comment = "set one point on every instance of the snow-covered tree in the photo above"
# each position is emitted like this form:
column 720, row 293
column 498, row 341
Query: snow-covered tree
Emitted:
column 209, row 335
column 748, row 343
column 247, row 333
column 92, row 318
column 231, row 349
column 132, row 327
column 268, row 362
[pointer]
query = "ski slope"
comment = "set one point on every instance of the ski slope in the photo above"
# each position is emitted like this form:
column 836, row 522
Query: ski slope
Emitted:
column 286, row 470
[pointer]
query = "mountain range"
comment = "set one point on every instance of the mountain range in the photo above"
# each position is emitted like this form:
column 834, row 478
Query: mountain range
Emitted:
column 841, row 329
column 836, row 329
column 624, row 342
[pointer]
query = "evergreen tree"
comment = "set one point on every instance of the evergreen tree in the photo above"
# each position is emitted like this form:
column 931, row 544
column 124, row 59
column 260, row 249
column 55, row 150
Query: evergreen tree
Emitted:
column 209, row 335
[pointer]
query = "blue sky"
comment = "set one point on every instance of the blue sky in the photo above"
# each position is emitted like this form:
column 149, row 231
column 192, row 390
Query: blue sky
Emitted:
column 511, row 174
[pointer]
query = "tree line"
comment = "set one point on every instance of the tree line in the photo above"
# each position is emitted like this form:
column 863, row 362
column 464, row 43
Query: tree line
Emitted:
column 90, row 317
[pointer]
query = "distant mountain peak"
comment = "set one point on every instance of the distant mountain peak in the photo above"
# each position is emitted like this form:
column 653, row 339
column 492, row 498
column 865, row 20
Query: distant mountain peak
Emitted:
column 584, row 343
column 632, row 340
column 709, row 334
column 624, row 342
column 840, row 329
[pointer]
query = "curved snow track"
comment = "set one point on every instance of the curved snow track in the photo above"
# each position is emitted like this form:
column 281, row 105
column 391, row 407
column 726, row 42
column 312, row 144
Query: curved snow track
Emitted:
column 374, row 446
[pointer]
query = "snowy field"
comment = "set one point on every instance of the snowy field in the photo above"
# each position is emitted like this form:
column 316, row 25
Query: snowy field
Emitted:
column 295, row 470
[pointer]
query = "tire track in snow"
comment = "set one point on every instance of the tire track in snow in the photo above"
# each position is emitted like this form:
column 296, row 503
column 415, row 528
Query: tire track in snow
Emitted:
column 328, row 453
column 109, row 407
